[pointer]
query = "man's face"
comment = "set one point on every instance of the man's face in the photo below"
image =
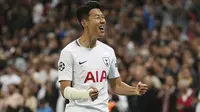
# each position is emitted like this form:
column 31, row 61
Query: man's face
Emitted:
column 96, row 23
column 11, row 88
column 169, row 80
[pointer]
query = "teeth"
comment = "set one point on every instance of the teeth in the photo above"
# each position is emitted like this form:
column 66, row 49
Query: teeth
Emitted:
column 101, row 27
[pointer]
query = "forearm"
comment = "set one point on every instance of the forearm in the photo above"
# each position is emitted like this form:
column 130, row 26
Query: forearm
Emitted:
column 72, row 93
column 125, row 89
column 75, row 94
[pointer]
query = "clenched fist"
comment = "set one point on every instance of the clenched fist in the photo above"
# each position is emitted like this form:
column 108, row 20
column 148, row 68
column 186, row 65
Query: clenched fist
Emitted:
column 141, row 88
column 94, row 93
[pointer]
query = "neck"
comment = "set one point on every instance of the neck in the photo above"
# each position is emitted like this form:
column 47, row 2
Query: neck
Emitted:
column 87, row 41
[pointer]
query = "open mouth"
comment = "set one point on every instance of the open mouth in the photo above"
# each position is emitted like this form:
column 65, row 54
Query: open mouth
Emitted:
column 102, row 28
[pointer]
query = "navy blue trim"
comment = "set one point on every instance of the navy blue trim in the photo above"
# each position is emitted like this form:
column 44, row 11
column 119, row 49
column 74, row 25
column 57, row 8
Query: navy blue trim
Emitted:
column 77, row 43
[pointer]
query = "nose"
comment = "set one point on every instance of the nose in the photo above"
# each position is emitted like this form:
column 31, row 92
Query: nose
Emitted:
column 103, row 21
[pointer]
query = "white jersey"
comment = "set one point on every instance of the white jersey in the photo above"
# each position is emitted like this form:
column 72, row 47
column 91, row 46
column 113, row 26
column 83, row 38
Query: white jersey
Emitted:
column 87, row 67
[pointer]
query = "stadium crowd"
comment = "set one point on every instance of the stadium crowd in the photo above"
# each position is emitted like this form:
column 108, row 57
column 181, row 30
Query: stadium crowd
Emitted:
column 156, row 42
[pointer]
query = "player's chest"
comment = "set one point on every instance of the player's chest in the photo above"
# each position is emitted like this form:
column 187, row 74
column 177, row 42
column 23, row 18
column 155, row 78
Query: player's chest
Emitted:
column 92, row 60
column 92, row 67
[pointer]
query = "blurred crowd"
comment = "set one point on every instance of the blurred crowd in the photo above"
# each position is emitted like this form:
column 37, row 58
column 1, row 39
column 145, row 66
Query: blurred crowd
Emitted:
column 156, row 42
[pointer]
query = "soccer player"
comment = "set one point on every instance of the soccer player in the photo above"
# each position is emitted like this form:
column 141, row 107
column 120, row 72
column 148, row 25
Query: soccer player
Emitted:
column 86, row 65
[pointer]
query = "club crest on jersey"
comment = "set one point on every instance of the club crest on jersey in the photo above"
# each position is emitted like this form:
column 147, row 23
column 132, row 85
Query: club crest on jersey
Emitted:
column 106, row 61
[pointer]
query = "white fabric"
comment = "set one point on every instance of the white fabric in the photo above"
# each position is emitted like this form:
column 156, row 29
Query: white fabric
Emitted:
column 188, row 93
column 53, row 74
column 183, row 37
column 54, row 3
column 156, row 81
column 60, row 103
column 75, row 94
column 78, row 64
column 37, row 13
column 42, row 76
column 9, row 79
column 21, row 64
column 82, row 109
column 41, row 93
column 122, row 104
column 197, row 107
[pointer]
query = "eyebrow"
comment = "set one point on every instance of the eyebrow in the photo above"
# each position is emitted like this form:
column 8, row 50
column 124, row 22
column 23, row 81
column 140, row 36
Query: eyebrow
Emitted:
column 98, row 15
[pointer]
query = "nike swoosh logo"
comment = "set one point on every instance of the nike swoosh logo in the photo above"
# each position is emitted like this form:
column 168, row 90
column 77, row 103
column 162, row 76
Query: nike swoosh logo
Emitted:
column 82, row 62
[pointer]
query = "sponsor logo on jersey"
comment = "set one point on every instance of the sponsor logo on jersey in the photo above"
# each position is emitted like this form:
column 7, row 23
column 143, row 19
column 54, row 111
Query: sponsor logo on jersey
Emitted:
column 81, row 62
column 100, row 76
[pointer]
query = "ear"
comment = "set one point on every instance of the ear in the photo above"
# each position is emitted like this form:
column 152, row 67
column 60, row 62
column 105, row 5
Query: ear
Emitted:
column 84, row 23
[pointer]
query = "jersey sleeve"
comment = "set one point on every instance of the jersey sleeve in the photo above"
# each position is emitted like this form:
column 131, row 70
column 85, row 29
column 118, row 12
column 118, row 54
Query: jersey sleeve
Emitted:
column 113, row 72
column 65, row 66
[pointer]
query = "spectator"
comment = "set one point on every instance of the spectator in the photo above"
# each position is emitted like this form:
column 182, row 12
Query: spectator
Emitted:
column 38, row 10
column 185, row 97
column 30, row 100
column 15, row 100
column 168, row 95
column 43, row 107
column 149, row 102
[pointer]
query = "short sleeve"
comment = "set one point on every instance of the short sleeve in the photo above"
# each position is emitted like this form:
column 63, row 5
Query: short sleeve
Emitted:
column 65, row 66
column 113, row 72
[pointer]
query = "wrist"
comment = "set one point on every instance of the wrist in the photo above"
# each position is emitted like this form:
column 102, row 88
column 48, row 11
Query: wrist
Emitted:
column 75, row 94
column 135, row 91
column 88, row 93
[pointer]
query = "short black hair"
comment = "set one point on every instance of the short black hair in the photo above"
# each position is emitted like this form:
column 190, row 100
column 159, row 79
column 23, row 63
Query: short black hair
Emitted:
column 83, row 10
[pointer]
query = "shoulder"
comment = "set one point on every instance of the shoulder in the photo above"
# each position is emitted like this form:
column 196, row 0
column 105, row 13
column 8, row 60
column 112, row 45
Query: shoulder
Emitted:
column 70, row 47
column 105, row 46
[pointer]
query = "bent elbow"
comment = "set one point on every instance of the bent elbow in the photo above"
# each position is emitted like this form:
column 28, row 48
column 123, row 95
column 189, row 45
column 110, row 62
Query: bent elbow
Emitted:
column 62, row 92
column 114, row 89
